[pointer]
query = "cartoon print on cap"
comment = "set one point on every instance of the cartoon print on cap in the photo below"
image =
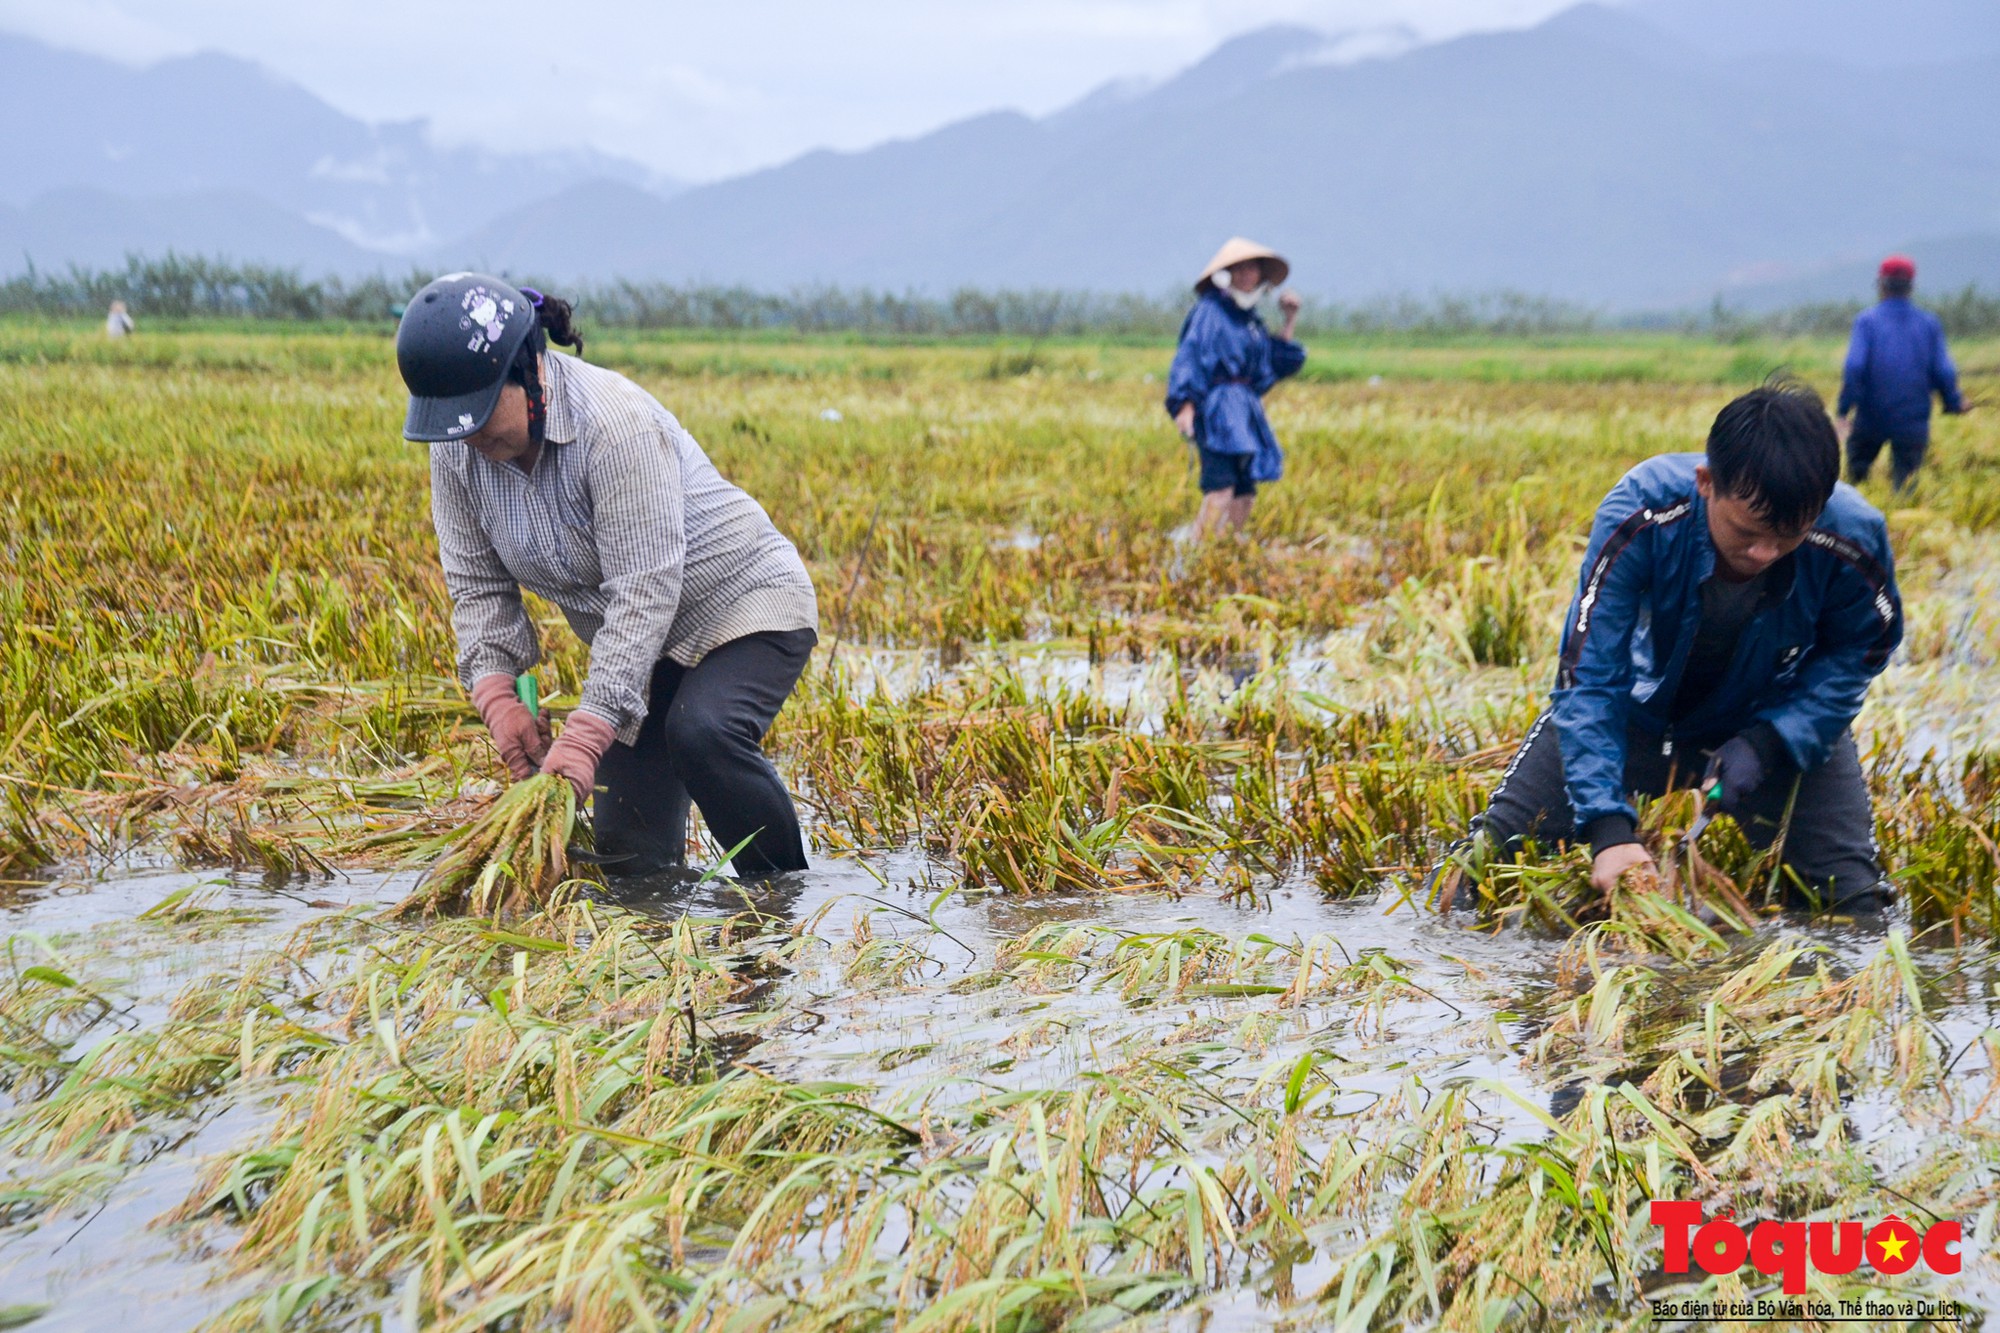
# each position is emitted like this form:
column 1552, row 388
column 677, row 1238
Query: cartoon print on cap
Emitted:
column 464, row 423
column 485, row 317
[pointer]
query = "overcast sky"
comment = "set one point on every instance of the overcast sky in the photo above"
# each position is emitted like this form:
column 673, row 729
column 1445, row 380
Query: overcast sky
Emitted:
column 715, row 88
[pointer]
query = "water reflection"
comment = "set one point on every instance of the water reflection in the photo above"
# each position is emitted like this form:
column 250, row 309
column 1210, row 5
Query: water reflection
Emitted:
column 684, row 891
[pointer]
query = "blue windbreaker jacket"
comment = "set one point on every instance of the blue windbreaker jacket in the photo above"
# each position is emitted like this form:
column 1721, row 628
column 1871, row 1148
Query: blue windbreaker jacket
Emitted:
column 1895, row 360
column 1802, row 665
column 1225, row 364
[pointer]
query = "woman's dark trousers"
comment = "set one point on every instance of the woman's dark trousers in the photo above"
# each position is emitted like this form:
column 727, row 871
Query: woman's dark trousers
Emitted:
column 702, row 740
column 1831, row 842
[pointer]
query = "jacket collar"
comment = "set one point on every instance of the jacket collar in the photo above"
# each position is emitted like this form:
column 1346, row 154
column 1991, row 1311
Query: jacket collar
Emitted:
column 559, row 427
column 1230, row 308
column 1705, row 558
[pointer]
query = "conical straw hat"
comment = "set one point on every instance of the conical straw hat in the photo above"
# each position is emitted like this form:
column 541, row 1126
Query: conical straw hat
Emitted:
column 1237, row 249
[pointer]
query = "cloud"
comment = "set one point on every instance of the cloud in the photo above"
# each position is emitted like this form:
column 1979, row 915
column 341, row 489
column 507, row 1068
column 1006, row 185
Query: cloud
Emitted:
column 705, row 90
column 101, row 27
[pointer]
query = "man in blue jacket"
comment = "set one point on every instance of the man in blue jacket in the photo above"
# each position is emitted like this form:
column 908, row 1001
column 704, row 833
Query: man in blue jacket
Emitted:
column 1895, row 361
column 1732, row 609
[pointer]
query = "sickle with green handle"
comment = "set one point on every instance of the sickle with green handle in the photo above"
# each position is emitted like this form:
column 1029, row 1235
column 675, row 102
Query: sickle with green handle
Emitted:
column 529, row 693
column 1701, row 824
column 1693, row 834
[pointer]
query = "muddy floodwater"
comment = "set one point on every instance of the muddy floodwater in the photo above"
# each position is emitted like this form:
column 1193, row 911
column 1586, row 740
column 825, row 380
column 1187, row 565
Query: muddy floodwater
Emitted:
column 109, row 1265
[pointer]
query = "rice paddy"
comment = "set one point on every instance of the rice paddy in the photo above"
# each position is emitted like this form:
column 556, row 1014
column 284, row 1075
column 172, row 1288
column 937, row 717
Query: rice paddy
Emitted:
column 1117, row 996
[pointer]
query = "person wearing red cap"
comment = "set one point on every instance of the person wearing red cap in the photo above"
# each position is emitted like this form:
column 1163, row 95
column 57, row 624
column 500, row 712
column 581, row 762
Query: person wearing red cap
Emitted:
column 1896, row 360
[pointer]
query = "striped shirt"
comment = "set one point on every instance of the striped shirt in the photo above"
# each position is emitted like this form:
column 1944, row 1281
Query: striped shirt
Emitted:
column 625, row 525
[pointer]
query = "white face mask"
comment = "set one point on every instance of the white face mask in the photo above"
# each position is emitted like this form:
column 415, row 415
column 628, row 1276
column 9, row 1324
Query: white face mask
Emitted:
column 1247, row 300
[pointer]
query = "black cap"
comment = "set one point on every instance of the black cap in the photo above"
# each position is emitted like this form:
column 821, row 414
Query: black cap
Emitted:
column 457, row 340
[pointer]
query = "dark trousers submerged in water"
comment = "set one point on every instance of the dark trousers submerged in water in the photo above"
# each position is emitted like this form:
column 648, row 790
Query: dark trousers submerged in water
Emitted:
column 702, row 742
column 1906, row 454
column 1830, row 844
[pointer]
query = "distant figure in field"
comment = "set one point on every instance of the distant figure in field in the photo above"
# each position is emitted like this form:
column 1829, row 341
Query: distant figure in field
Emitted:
column 1896, row 360
column 1225, row 364
column 119, row 322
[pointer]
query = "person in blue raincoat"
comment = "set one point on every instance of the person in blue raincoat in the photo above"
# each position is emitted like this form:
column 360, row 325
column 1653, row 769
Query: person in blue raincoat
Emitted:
column 1225, row 364
column 1895, row 362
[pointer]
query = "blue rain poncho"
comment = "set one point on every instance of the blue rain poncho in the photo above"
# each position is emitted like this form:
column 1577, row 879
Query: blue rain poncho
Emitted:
column 1895, row 361
column 1225, row 364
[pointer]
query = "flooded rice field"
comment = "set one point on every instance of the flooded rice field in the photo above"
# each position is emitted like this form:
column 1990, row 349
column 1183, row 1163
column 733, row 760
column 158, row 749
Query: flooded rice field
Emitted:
column 1119, row 994
column 935, row 1008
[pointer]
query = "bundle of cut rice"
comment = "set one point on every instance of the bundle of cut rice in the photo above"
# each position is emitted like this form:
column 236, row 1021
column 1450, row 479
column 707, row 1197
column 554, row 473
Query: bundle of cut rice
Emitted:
column 513, row 859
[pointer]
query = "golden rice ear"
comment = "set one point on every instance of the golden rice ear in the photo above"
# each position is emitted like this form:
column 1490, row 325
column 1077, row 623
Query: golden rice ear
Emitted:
column 513, row 859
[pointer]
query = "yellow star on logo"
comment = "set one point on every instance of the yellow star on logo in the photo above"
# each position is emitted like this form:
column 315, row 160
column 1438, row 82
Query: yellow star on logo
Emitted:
column 1892, row 1248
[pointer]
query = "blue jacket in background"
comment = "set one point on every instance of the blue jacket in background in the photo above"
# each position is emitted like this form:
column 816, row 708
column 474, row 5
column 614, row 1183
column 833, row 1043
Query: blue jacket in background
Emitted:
column 1225, row 364
column 1802, row 664
column 1895, row 361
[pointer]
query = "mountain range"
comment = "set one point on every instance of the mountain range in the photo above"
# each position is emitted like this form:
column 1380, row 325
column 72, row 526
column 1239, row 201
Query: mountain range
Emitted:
column 1644, row 156
column 205, row 131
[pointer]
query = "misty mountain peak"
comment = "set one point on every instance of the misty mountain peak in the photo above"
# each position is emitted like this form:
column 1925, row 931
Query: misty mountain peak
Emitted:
column 211, row 122
column 1353, row 46
column 1241, row 63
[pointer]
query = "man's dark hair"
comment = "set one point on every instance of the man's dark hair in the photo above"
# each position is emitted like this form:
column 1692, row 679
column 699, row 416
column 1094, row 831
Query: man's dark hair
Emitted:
column 1775, row 449
column 1896, row 285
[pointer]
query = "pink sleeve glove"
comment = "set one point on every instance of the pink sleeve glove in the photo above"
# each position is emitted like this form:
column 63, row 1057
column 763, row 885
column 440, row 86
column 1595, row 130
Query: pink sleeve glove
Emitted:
column 520, row 737
column 575, row 755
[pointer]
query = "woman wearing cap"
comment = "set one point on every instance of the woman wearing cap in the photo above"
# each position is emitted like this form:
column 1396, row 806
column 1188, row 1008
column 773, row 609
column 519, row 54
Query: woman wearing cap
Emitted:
column 1225, row 364
column 567, row 479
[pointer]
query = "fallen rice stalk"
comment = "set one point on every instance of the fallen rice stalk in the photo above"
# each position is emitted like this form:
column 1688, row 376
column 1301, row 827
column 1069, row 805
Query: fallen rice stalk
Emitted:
column 513, row 859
